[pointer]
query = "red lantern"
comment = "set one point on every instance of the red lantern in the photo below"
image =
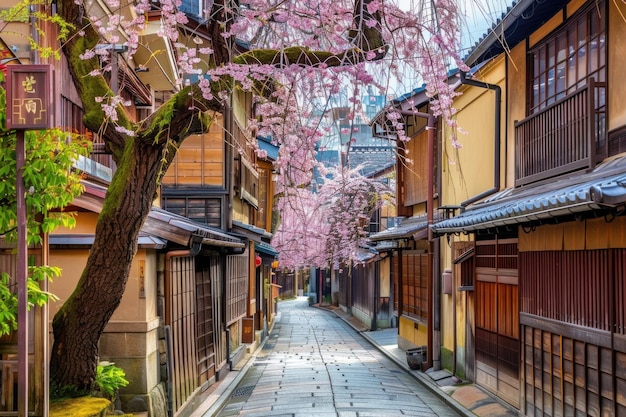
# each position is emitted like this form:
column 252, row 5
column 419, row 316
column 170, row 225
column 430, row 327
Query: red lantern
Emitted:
column 257, row 261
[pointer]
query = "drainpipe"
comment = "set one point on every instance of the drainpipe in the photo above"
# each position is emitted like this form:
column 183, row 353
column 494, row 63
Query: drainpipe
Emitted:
column 430, row 214
column 437, row 264
column 229, row 171
column 496, row 161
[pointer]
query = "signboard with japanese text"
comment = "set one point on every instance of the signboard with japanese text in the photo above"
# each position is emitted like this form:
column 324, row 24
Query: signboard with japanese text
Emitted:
column 29, row 92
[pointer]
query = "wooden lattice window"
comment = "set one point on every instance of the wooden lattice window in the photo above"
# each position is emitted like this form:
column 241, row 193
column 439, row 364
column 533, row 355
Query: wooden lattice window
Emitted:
column 575, row 287
column 465, row 264
column 248, row 180
column 498, row 255
column 415, row 284
column 564, row 62
column 236, row 287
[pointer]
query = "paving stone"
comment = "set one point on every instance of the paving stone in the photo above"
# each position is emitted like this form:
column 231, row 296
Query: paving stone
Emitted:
column 319, row 366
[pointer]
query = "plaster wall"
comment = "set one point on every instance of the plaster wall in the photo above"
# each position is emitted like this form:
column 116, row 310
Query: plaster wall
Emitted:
column 616, row 61
column 412, row 333
column 130, row 339
column 468, row 169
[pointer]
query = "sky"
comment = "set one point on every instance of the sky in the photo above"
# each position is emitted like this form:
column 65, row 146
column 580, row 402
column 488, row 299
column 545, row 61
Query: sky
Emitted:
column 480, row 15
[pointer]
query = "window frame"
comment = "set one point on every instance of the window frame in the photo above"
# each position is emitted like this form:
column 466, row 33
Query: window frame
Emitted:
column 585, row 31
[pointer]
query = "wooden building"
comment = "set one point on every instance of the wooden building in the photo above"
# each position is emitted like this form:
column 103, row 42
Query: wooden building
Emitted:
column 409, row 250
column 194, row 280
column 536, row 310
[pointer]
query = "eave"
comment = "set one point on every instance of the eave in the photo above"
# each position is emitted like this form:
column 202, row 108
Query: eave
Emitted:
column 516, row 24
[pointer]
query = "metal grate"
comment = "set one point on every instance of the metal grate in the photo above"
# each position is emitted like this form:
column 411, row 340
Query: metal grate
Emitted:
column 242, row 392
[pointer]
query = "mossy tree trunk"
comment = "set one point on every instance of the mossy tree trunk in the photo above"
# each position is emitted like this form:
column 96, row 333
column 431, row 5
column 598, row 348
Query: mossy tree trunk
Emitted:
column 140, row 160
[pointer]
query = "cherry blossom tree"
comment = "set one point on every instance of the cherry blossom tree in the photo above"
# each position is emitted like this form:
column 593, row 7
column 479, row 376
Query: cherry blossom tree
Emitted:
column 327, row 226
column 299, row 52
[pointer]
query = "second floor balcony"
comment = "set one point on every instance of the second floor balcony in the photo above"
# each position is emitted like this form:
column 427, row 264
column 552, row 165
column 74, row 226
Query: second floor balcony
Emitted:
column 567, row 136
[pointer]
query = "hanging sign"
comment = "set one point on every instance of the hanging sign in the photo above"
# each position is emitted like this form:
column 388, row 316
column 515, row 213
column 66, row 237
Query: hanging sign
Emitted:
column 29, row 91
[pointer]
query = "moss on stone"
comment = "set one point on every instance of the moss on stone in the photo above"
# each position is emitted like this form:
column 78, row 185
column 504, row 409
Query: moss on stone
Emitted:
column 79, row 407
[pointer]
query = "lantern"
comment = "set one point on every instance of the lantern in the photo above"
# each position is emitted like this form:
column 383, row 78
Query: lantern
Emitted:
column 275, row 264
column 257, row 261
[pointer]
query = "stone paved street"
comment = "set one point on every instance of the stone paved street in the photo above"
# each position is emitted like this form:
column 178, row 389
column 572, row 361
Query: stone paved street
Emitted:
column 314, row 364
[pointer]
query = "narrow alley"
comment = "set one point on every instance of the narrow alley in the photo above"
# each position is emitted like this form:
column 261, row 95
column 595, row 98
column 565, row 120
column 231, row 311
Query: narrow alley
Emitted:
column 314, row 364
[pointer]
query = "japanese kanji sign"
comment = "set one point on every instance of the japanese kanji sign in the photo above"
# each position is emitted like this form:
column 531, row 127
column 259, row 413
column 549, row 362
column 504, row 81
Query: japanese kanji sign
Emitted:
column 29, row 89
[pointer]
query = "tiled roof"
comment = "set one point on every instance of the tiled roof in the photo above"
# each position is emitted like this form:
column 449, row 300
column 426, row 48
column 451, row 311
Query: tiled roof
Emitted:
column 602, row 189
column 266, row 144
column 416, row 225
column 184, row 231
column 265, row 248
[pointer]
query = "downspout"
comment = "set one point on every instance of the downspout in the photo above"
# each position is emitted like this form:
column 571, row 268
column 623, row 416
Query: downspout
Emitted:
column 497, row 122
column 437, row 264
column 430, row 217
column 229, row 171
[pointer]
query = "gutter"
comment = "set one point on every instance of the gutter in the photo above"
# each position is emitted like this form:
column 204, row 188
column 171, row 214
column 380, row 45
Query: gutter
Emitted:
column 497, row 134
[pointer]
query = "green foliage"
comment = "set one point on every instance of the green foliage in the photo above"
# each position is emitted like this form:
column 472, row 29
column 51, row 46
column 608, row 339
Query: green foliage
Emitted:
column 36, row 296
column 110, row 378
column 49, row 181
column 17, row 13
column 21, row 12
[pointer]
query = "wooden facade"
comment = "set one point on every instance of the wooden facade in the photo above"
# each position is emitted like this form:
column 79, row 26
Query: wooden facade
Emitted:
column 409, row 269
column 572, row 319
column 364, row 295
column 539, row 301
column 497, row 317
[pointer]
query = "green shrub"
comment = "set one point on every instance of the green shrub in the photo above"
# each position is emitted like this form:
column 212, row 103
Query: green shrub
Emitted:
column 110, row 378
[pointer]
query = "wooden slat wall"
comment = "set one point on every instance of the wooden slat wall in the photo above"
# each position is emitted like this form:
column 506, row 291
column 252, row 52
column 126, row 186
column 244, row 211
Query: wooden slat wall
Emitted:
column 497, row 318
column 568, row 286
column 206, row 324
column 416, row 169
column 199, row 161
column 572, row 321
column 345, row 283
column 183, row 327
column 363, row 289
column 236, row 287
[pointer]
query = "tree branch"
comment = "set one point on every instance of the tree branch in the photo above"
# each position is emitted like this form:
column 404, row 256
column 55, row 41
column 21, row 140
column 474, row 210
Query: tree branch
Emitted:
column 368, row 42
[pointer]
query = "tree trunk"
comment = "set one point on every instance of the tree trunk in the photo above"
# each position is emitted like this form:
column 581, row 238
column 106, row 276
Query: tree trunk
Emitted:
column 80, row 322
column 78, row 325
